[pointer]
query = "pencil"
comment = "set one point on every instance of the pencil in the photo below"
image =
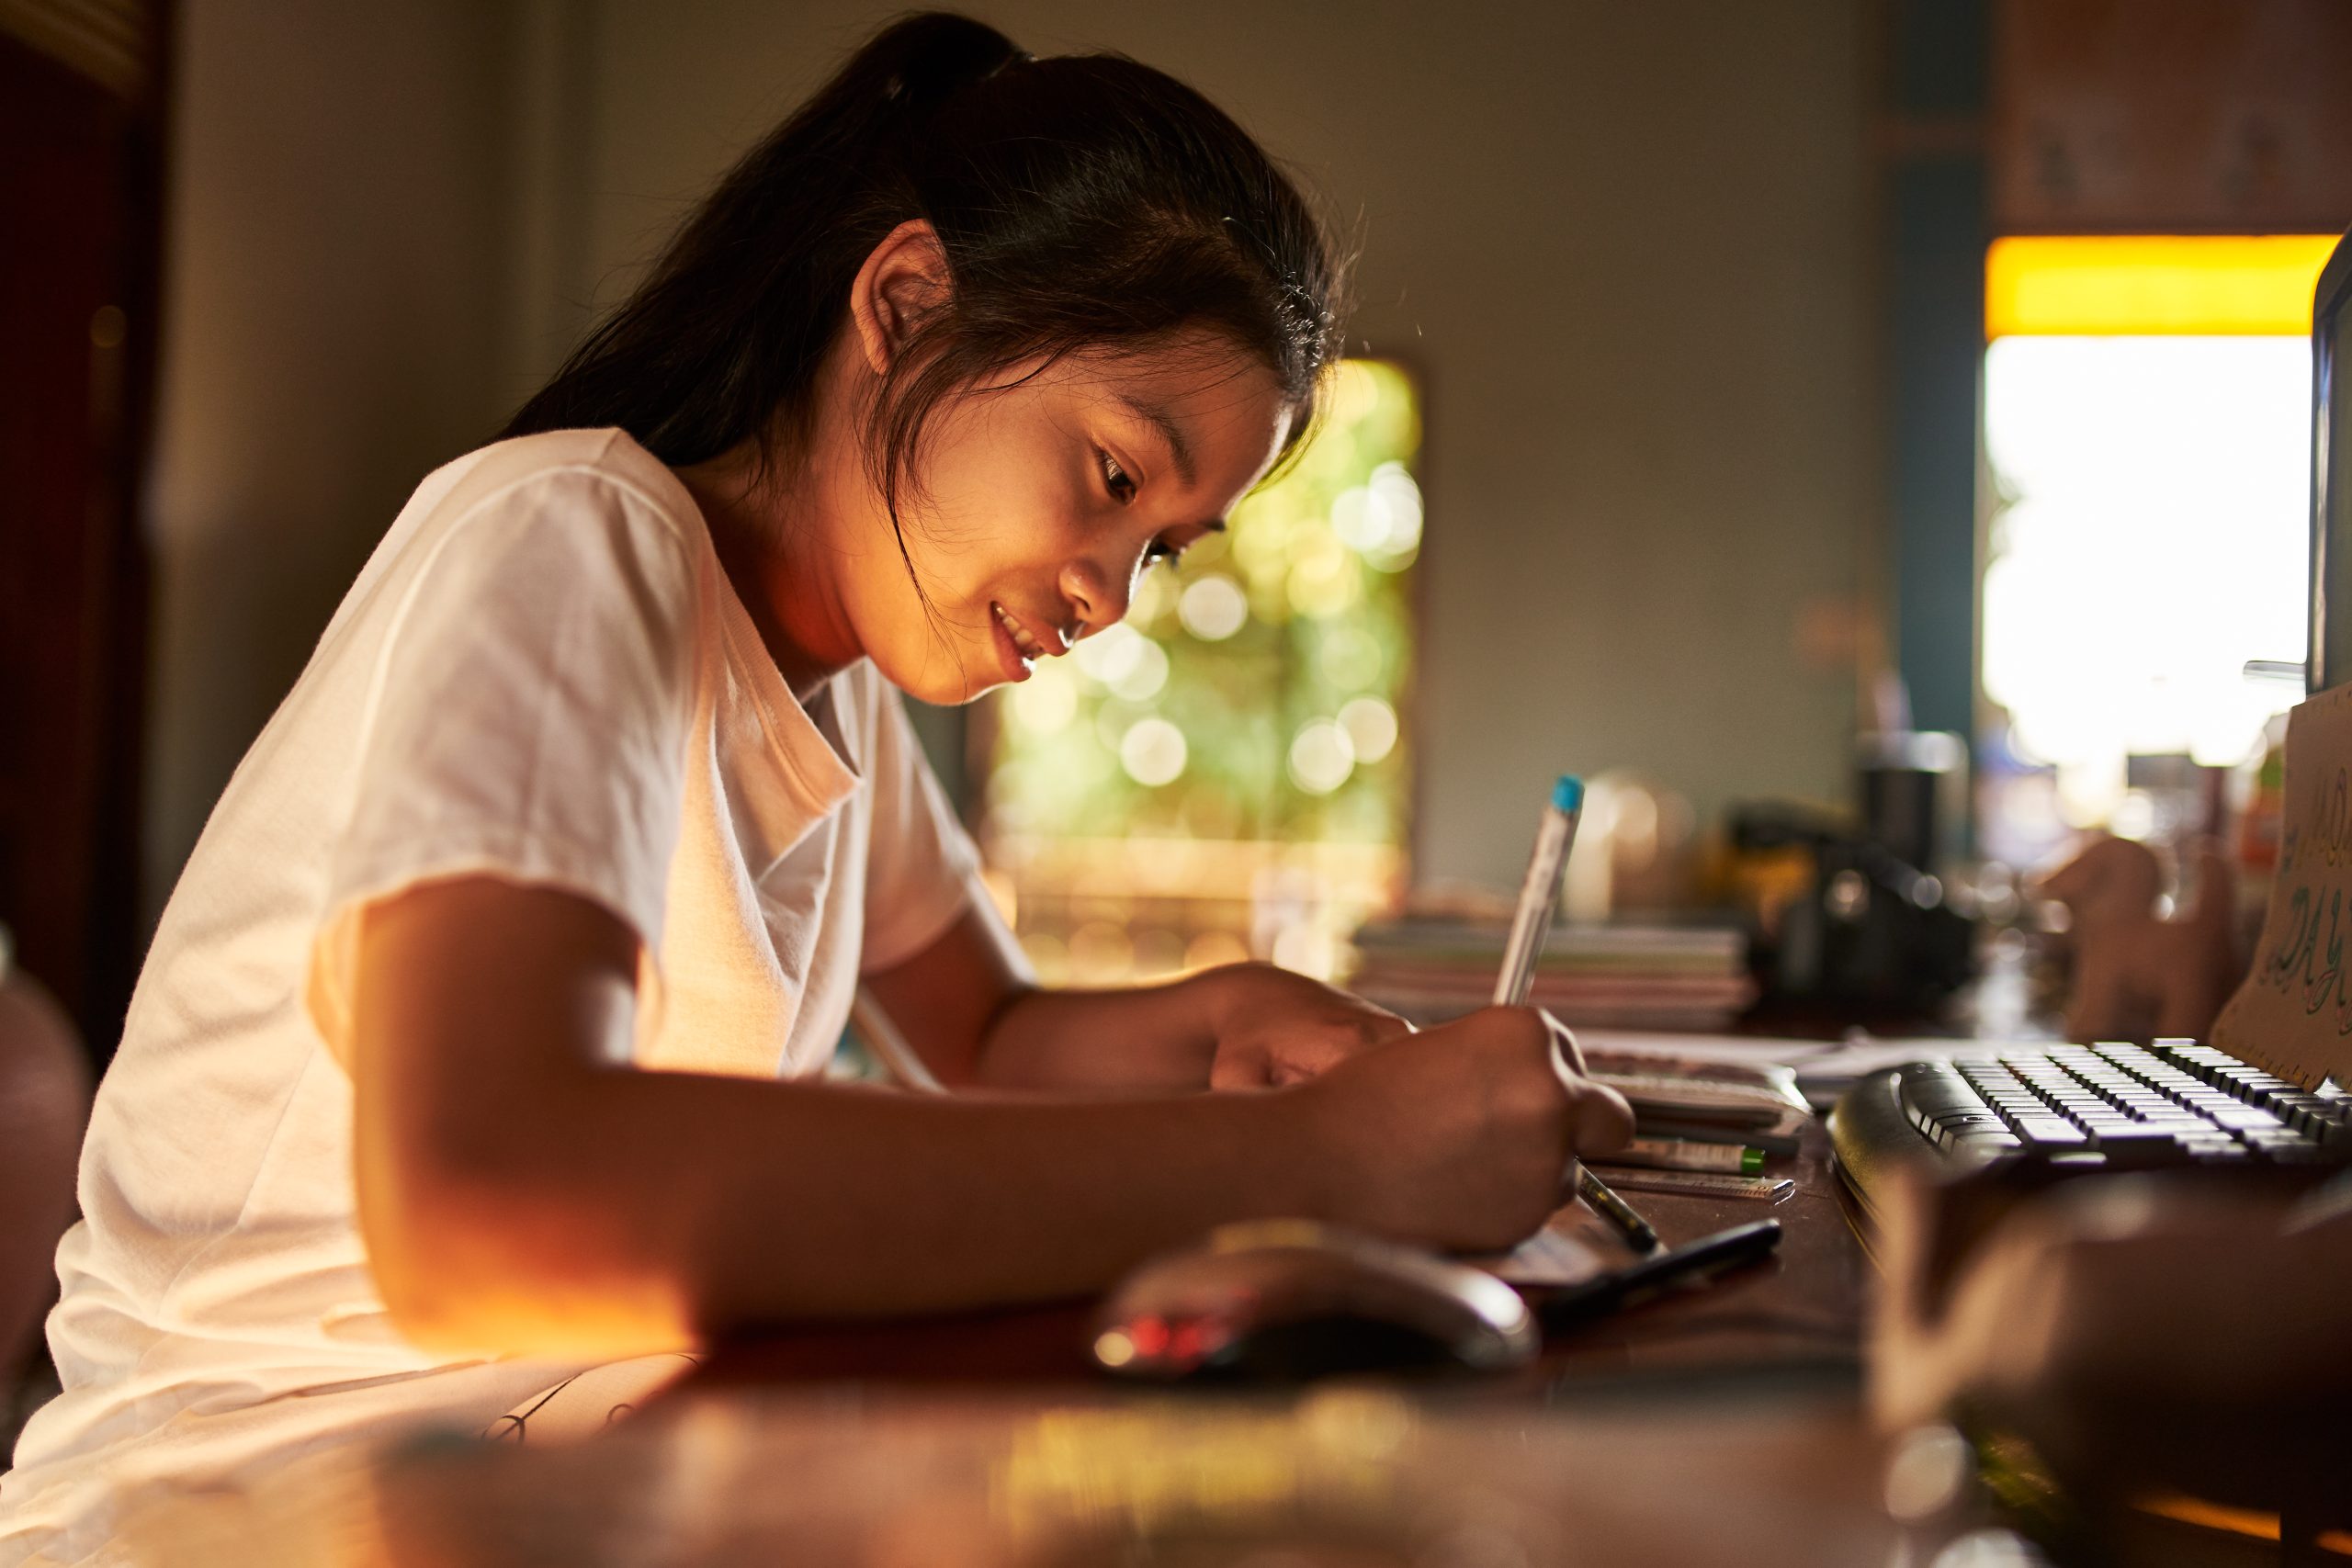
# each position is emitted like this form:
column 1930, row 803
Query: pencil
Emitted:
column 1531, row 922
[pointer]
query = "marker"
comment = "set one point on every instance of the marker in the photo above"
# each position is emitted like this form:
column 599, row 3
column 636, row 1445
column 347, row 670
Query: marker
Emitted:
column 1615, row 1210
column 1555, row 836
column 1679, row 1153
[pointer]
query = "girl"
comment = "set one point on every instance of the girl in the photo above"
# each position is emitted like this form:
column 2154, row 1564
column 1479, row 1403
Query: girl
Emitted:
column 482, row 1040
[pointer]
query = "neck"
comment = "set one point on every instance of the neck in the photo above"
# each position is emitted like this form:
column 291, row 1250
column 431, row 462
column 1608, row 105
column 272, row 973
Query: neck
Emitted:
column 765, row 528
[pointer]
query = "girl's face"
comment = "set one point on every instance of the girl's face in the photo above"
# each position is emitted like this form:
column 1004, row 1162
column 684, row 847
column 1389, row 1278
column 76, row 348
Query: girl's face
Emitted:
column 1042, row 499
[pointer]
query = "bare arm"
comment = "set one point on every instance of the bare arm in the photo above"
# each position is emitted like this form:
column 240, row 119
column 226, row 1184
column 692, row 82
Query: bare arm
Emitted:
column 517, row 1194
column 967, row 1005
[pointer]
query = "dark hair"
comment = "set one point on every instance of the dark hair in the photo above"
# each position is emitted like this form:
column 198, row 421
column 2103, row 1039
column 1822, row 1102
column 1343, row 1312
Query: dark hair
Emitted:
column 1082, row 200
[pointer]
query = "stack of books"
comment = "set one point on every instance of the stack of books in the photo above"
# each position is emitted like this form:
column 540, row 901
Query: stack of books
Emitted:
column 1658, row 976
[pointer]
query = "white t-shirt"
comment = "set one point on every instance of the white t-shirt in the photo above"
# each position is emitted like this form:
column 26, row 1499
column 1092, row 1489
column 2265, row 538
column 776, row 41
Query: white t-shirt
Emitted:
column 543, row 674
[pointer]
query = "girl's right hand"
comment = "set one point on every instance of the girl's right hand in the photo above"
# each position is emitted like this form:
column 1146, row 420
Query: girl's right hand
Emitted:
column 1460, row 1136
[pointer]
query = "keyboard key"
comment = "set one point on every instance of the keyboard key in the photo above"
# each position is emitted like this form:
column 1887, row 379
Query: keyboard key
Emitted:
column 1950, row 1127
column 2292, row 1148
column 2123, row 1105
column 2139, row 1145
column 1976, row 1149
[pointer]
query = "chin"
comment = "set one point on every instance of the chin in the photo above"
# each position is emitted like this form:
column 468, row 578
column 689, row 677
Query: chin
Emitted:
column 950, row 693
column 927, row 678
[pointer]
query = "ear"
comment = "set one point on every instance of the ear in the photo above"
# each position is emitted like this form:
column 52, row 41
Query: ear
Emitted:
column 903, row 281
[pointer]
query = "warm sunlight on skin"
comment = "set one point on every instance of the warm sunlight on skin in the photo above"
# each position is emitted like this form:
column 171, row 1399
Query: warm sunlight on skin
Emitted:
column 1041, row 498
column 1046, row 500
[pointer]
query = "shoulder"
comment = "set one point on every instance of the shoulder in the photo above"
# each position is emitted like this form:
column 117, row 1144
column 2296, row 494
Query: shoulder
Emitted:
column 570, row 517
column 566, row 473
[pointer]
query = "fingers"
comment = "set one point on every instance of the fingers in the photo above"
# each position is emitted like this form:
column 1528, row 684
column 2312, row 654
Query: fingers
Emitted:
column 1600, row 1122
column 1300, row 1060
column 1242, row 1067
column 1565, row 1040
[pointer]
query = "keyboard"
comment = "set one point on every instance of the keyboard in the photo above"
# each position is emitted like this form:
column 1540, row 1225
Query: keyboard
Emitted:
column 2081, row 1109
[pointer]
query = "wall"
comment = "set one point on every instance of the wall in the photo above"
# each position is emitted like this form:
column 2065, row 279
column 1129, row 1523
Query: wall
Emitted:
column 337, row 235
column 1623, row 246
column 1626, row 247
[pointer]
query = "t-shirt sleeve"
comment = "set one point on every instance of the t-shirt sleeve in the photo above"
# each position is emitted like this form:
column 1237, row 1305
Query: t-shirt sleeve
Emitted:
column 527, row 717
column 923, row 870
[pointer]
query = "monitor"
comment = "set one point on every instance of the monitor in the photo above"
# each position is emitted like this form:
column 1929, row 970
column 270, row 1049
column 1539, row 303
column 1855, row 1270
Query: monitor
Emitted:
column 2329, row 659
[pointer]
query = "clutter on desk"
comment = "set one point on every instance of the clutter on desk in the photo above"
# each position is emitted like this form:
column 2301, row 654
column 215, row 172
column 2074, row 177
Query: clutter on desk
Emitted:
column 2137, row 972
column 1842, row 919
column 1686, row 1108
column 1677, row 1096
column 2293, row 1013
column 1659, row 976
column 1702, row 1183
column 1855, row 909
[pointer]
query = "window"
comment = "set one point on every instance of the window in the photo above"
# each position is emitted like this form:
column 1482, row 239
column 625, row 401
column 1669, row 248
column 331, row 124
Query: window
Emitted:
column 1225, row 774
column 2147, row 436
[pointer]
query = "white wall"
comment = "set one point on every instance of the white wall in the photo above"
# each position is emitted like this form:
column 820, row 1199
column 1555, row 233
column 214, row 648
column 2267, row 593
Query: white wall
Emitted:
column 1624, row 244
column 1626, row 247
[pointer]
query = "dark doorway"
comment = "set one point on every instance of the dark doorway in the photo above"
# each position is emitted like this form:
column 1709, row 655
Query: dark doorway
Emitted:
column 80, row 203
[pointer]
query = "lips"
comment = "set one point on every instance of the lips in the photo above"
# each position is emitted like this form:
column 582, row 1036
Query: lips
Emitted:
column 1024, row 640
column 1029, row 640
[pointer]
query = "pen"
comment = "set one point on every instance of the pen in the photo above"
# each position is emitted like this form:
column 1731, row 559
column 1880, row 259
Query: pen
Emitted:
column 1685, row 1265
column 1533, row 919
column 1529, row 925
column 1615, row 1210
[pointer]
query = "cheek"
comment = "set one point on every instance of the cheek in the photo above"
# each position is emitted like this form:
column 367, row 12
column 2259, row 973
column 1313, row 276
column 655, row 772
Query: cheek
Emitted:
column 1004, row 506
column 1007, row 535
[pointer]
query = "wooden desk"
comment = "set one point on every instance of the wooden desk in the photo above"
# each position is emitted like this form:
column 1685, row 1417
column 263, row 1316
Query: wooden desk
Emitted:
column 1723, row 1426
column 1803, row 1308
column 1720, row 1426
column 1340, row 1478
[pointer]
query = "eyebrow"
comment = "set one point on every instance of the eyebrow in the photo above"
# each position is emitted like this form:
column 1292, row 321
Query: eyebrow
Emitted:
column 1160, row 419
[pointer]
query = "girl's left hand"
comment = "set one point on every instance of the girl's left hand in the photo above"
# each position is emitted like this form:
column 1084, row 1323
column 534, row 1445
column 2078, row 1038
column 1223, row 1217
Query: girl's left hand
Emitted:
column 1272, row 1027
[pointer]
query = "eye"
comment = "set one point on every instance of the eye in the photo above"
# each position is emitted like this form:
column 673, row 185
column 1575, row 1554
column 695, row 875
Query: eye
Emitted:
column 1115, row 478
column 1161, row 550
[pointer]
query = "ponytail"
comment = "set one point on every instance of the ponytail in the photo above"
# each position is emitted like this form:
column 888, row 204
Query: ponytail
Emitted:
column 1079, row 201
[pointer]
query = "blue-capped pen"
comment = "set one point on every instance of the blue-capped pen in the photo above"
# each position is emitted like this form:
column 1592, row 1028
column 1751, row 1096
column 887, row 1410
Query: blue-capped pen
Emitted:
column 1555, row 836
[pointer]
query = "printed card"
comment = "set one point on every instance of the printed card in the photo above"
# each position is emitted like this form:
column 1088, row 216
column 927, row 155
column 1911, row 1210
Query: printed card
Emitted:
column 2293, row 1014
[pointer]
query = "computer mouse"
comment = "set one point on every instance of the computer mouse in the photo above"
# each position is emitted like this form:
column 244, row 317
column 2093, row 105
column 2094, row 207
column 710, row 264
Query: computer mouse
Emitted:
column 1288, row 1301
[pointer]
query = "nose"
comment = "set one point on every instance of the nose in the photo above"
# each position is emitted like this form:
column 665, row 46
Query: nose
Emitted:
column 1098, row 596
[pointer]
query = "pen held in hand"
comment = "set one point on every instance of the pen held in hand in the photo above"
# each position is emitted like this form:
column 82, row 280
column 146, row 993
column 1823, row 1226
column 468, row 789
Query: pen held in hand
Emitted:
column 1531, row 922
